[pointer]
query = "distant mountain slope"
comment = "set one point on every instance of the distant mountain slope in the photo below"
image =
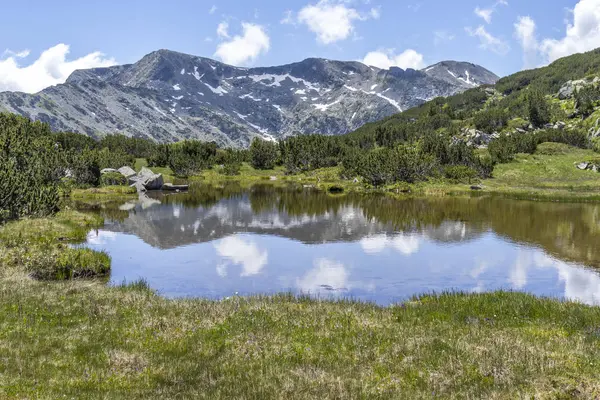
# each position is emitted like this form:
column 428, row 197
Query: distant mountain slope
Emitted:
column 170, row 96
column 504, row 103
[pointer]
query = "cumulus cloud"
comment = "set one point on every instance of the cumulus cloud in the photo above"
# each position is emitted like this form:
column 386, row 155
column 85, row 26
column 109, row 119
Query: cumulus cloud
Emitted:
column 525, row 34
column 51, row 68
column 487, row 41
column 245, row 48
column 241, row 252
column 326, row 276
column 332, row 20
column 582, row 34
column 222, row 30
column 386, row 58
column 403, row 243
column 486, row 13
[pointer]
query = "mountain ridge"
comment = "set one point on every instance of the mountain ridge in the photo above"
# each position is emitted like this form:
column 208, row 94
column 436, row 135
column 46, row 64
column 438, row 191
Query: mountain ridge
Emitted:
column 170, row 96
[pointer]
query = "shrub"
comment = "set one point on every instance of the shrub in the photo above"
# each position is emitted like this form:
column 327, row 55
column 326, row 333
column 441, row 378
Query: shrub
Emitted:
column 537, row 108
column 263, row 154
column 553, row 149
column 460, row 173
column 232, row 168
column 113, row 179
column 190, row 157
column 31, row 168
column 491, row 120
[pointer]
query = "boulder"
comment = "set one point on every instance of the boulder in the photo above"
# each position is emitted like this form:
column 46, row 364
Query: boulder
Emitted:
column 583, row 166
column 568, row 89
column 126, row 171
column 481, row 138
column 560, row 125
column 108, row 171
column 146, row 180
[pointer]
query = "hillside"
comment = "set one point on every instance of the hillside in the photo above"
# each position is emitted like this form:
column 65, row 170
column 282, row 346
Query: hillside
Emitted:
column 481, row 114
column 169, row 96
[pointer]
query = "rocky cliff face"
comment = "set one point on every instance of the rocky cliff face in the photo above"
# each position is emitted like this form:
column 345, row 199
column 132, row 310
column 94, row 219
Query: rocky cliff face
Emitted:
column 169, row 96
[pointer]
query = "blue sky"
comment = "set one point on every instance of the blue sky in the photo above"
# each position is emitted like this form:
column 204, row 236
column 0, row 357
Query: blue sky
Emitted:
column 502, row 35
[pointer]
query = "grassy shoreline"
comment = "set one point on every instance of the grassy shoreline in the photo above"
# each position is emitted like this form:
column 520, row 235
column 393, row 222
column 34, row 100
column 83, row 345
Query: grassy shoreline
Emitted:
column 83, row 339
column 549, row 175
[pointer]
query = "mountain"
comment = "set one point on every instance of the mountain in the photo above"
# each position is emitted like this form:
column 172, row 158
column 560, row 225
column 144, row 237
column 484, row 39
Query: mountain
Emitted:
column 169, row 96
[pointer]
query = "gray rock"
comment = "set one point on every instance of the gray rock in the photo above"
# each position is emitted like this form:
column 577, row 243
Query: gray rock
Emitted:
column 560, row 125
column 147, row 180
column 126, row 171
column 169, row 96
column 108, row 171
column 568, row 89
column 583, row 166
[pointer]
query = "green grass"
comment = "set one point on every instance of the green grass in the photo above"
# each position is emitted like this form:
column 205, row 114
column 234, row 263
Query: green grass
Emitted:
column 79, row 340
column 550, row 174
column 83, row 339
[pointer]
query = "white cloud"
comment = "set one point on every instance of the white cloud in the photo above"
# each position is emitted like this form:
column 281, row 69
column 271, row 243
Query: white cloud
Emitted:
column 213, row 9
column 51, row 68
column 582, row 35
column 222, row 30
column 525, row 34
column 402, row 243
column 245, row 48
column 101, row 238
column 19, row 54
column 385, row 59
column 326, row 276
column 486, row 13
column 487, row 41
column 241, row 252
column 332, row 20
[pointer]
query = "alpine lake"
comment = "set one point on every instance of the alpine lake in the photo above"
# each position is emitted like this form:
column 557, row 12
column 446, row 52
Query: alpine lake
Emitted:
column 221, row 241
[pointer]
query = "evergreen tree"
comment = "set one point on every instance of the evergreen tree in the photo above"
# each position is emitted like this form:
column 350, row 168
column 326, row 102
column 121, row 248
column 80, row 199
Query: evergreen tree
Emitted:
column 538, row 110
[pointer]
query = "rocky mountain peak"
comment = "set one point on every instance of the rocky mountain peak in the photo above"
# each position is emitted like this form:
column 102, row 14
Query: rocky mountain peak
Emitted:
column 171, row 96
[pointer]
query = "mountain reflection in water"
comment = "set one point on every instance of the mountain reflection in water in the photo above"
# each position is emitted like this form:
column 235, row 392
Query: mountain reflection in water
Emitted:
column 217, row 241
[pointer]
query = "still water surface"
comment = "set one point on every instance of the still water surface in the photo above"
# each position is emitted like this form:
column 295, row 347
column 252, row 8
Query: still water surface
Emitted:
column 218, row 242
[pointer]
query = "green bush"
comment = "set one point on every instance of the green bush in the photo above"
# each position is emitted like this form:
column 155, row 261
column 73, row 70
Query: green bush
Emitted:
column 113, row 179
column 31, row 168
column 460, row 173
column 263, row 154
column 491, row 120
column 553, row 149
column 232, row 168
column 191, row 157
column 596, row 145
